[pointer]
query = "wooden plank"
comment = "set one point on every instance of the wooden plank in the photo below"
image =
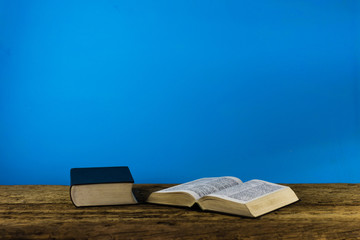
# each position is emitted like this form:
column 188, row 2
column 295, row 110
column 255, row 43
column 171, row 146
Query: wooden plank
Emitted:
column 326, row 211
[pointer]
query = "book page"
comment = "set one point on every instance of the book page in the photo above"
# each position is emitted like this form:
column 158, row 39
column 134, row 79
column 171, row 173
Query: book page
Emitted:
column 248, row 191
column 204, row 186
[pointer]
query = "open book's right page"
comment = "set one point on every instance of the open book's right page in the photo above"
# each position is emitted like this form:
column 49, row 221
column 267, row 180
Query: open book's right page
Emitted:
column 248, row 191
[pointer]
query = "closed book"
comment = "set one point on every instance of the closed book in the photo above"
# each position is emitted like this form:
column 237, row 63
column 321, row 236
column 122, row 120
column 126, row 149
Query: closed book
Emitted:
column 101, row 186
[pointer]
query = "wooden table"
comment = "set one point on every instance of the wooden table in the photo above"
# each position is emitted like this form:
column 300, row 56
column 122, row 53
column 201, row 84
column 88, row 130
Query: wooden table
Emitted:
column 326, row 211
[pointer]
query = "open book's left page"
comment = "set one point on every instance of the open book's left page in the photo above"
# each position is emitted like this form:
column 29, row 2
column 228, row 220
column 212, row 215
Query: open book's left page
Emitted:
column 204, row 186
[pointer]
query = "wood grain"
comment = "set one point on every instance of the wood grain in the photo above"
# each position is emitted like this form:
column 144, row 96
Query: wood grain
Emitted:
column 326, row 211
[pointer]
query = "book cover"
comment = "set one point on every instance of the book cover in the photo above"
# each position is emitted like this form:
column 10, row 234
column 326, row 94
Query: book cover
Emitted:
column 95, row 175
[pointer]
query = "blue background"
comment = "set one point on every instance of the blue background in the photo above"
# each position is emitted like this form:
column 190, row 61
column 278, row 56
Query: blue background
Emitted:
column 179, row 90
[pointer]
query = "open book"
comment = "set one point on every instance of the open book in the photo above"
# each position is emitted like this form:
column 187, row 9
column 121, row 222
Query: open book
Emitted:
column 227, row 194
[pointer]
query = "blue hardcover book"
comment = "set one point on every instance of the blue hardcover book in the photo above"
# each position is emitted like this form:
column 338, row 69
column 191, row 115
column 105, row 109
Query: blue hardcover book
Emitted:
column 101, row 186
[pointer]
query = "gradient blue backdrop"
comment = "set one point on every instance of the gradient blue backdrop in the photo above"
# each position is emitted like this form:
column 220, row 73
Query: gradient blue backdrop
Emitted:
column 179, row 90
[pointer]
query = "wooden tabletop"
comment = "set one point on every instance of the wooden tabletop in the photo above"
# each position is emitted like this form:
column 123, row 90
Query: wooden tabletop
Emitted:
column 326, row 211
